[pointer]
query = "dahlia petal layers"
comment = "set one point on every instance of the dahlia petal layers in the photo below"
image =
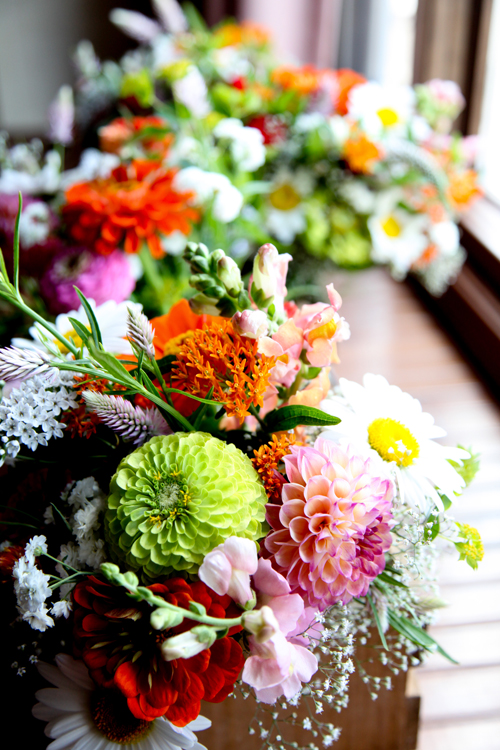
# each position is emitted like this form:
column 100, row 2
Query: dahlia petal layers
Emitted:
column 176, row 498
column 333, row 528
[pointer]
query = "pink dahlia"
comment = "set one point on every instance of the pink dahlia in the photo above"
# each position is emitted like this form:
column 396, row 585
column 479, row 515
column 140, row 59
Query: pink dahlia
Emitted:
column 100, row 277
column 333, row 528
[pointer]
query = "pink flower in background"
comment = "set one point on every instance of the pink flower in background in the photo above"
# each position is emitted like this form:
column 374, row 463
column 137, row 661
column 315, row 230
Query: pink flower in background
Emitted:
column 322, row 327
column 100, row 277
column 228, row 567
column 332, row 531
column 36, row 233
column 62, row 117
column 273, row 590
column 286, row 344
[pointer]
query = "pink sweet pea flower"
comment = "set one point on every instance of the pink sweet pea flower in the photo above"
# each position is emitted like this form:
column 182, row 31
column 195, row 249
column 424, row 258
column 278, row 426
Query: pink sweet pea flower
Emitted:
column 278, row 667
column 228, row 567
column 322, row 327
column 251, row 323
column 274, row 591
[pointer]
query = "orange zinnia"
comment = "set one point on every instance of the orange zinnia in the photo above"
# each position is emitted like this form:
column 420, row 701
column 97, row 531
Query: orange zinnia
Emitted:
column 463, row 189
column 246, row 33
column 304, row 80
column 135, row 204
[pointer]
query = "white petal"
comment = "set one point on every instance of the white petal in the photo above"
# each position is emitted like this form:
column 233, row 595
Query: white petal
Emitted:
column 66, row 723
column 66, row 740
column 134, row 24
column 45, row 713
column 75, row 670
column 67, row 700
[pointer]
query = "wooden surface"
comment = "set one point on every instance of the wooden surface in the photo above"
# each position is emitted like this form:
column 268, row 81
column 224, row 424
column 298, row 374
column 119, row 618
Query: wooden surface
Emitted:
column 394, row 335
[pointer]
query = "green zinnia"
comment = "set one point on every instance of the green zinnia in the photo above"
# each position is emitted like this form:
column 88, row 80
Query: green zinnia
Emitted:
column 179, row 496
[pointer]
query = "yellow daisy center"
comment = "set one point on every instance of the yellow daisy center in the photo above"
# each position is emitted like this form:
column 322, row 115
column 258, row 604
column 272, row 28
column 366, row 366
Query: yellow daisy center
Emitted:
column 393, row 441
column 72, row 336
column 388, row 116
column 285, row 197
column 173, row 345
column 112, row 718
column 391, row 226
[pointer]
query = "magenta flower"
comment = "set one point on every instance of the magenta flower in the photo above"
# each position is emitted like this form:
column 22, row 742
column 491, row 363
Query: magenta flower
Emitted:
column 99, row 277
column 333, row 528
column 37, row 242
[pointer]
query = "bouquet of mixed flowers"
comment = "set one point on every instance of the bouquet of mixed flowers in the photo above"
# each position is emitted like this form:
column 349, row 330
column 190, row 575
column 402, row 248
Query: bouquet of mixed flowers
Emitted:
column 219, row 518
column 201, row 135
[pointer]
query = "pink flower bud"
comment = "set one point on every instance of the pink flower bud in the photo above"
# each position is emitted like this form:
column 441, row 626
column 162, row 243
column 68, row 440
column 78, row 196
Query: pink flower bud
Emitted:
column 251, row 323
column 269, row 274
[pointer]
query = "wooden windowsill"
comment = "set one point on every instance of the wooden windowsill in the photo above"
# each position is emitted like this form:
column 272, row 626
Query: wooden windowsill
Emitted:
column 470, row 309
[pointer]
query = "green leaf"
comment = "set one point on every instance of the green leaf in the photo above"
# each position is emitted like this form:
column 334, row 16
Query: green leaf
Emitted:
column 80, row 329
column 288, row 417
column 416, row 634
column 62, row 516
column 165, row 363
column 385, row 578
column 94, row 325
column 16, row 245
column 377, row 620
column 111, row 364
column 195, row 20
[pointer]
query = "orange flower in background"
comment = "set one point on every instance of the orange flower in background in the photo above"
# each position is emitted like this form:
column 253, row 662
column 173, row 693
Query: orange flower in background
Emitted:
column 218, row 357
column 135, row 205
column 346, row 80
column 304, row 80
column 113, row 136
column 360, row 153
column 463, row 189
column 247, row 33
column 430, row 253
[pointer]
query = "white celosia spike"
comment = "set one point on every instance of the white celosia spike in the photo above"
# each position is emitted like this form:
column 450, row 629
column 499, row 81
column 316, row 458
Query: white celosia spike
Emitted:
column 19, row 364
column 140, row 332
column 62, row 117
column 135, row 25
column 129, row 421
column 171, row 15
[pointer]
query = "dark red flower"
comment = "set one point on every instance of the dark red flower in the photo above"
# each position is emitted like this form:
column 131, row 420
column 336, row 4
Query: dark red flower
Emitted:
column 114, row 638
column 272, row 128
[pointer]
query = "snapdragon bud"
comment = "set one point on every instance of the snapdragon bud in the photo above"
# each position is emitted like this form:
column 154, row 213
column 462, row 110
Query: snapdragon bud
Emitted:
column 188, row 644
column 229, row 274
column 251, row 323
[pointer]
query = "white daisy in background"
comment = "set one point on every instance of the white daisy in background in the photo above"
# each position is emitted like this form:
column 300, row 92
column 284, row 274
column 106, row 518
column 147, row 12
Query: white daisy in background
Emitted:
column 381, row 110
column 81, row 716
column 398, row 237
column 246, row 144
column 390, row 424
column 210, row 188
column 285, row 217
column 112, row 319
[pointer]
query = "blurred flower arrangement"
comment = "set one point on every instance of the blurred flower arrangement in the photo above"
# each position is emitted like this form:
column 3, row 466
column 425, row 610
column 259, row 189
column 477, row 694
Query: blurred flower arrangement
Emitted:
column 202, row 135
column 248, row 536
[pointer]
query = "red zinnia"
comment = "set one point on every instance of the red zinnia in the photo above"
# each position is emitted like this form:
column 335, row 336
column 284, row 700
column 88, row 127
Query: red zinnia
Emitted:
column 114, row 638
column 135, row 204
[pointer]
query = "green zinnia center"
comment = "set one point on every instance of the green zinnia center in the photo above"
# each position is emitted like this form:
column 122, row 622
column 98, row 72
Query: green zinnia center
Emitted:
column 172, row 496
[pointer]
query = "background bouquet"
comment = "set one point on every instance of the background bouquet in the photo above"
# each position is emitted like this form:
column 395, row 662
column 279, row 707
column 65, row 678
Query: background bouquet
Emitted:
column 222, row 518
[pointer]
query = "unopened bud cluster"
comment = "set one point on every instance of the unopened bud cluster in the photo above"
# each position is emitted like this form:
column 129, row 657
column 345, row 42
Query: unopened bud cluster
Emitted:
column 218, row 280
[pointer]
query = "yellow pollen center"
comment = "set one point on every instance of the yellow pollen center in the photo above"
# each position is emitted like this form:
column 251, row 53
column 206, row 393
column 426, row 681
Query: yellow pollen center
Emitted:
column 391, row 227
column 72, row 336
column 284, row 198
column 393, row 441
column 326, row 331
column 112, row 718
column 174, row 344
column 388, row 116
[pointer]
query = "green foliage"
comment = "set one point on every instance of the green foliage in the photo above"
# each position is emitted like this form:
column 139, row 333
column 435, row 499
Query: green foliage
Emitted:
column 469, row 467
column 416, row 634
column 471, row 549
column 289, row 417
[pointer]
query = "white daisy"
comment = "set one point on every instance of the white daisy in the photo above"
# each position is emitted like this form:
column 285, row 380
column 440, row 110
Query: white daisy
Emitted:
column 286, row 214
column 111, row 317
column 398, row 237
column 83, row 717
column 390, row 424
column 381, row 110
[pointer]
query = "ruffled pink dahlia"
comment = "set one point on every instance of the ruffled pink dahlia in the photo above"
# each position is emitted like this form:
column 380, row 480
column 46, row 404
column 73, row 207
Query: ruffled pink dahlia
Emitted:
column 333, row 528
column 100, row 277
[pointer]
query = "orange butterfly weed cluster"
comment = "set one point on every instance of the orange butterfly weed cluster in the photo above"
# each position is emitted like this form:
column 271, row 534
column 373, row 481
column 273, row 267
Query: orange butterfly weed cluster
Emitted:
column 136, row 204
column 216, row 356
column 267, row 459
column 360, row 153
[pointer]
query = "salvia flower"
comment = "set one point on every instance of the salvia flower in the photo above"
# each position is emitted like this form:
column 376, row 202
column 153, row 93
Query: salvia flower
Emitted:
column 177, row 497
column 131, row 422
column 332, row 531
